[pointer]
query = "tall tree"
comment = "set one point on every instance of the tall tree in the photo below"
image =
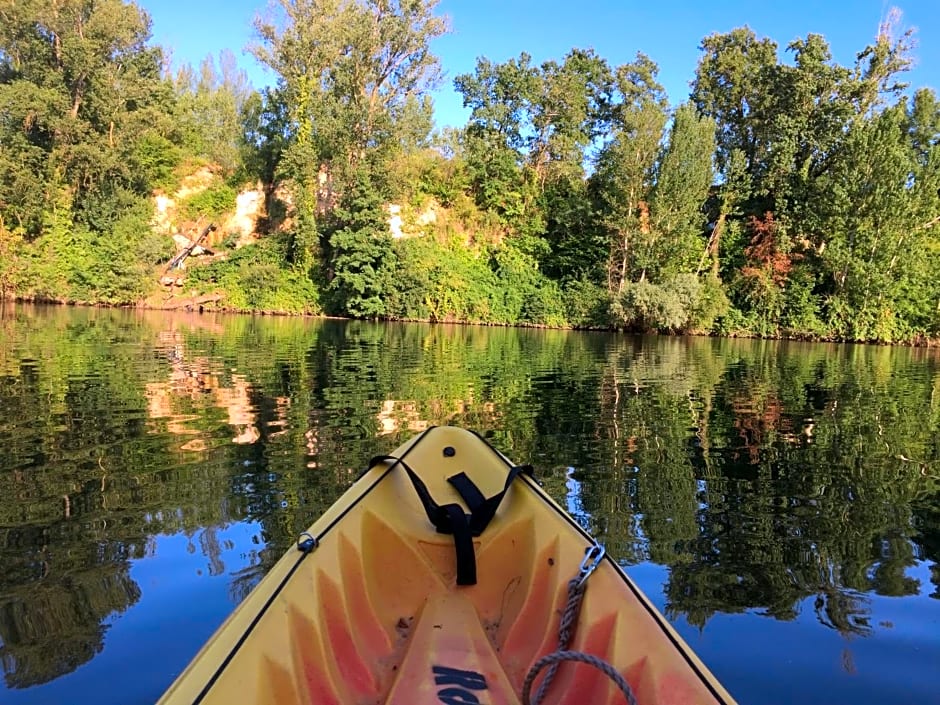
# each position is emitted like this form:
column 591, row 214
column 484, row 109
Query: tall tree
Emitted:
column 79, row 90
column 788, row 120
column 879, row 223
column 361, row 252
column 531, row 125
column 569, row 111
column 730, row 86
column 684, row 175
column 347, row 72
column 211, row 105
column 350, row 67
column 625, row 170
column 500, row 96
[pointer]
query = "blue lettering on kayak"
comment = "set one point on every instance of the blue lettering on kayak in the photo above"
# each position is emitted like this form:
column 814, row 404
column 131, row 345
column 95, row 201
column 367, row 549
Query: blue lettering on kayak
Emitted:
column 460, row 683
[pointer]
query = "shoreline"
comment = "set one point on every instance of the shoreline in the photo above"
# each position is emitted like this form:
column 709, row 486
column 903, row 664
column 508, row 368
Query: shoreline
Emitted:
column 199, row 304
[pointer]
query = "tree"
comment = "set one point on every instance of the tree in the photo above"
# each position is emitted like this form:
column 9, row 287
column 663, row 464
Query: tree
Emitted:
column 361, row 252
column 878, row 222
column 499, row 96
column 684, row 175
column 79, row 88
column 568, row 112
column 730, row 86
column 787, row 121
column 530, row 126
column 624, row 175
column 348, row 71
column 211, row 107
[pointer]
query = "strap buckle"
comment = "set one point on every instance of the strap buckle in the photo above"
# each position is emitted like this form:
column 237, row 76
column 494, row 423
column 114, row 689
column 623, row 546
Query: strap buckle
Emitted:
column 593, row 555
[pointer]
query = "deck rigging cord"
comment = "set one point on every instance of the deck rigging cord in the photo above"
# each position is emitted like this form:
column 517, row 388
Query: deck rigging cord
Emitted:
column 569, row 621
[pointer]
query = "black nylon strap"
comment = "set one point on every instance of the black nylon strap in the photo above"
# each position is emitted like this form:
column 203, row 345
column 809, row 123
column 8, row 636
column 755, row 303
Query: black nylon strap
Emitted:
column 482, row 510
column 451, row 519
column 437, row 515
column 463, row 545
column 468, row 491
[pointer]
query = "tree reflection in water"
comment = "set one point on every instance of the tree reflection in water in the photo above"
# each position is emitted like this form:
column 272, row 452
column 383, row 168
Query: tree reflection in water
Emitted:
column 768, row 478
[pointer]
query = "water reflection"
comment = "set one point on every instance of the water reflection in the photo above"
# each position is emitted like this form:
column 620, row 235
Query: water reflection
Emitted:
column 778, row 482
column 197, row 383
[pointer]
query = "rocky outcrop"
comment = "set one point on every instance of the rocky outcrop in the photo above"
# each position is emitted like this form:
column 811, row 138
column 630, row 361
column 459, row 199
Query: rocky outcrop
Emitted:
column 409, row 223
column 242, row 222
column 249, row 209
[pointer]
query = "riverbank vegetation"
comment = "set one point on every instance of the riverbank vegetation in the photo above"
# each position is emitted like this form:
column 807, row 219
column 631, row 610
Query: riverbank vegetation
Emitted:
column 788, row 195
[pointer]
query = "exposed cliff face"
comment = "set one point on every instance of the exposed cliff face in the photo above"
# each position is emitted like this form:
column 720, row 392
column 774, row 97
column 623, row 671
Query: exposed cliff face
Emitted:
column 241, row 221
column 408, row 222
column 166, row 218
column 249, row 209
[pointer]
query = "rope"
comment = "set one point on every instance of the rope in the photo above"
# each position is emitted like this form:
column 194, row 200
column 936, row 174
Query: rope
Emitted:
column 556, row 657
column 569, row 621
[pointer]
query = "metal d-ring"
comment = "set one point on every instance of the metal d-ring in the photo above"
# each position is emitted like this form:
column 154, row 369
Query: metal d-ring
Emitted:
column 306, row 545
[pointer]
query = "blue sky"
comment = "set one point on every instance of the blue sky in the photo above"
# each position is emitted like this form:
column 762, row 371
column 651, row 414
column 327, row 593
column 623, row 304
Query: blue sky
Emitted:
column 668, row 31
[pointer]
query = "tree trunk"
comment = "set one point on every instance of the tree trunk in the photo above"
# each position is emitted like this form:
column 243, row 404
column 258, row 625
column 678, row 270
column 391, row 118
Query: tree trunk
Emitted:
column 711, row 247
column 77, row 94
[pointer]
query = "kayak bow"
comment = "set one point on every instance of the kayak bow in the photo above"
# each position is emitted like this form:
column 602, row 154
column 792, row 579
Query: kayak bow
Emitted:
column 442, row 576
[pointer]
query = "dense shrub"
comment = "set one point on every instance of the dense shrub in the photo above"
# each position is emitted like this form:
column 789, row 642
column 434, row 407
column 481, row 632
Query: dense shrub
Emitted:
column 682, row 303
column 587, row 304
column 71, row 262
column 254, row 279
column 210, row 203
column 524, row 294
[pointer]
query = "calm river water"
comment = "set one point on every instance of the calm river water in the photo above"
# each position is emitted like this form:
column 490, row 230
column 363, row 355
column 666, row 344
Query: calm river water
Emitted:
column 779, row 502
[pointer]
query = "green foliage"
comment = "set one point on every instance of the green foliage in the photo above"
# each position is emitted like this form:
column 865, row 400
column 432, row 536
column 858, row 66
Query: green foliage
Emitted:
column 348, row 76
column 72, row 262
column 79, row 91
column 497, row 180
column 577, row 244
column 362, row 260
column 157, row 159
column 442, row 281
column 125, row 259
column 588, row 305
column 447, row 281
column 623, row 180
column 254, row 279
column 878, row 203
column 842, row 171
column 712, row 304
column 527, row 296
column 647, row 306
column 529, row 127
column 420, row 174
column 211, row 202
column 210, row 109
column 681, row 304
column 684, row 175
column 409, row 297
column 11, row 264
column 264, row 134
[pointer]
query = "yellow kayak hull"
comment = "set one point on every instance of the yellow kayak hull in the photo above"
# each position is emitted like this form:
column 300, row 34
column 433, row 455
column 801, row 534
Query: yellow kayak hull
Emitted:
column 374, row 613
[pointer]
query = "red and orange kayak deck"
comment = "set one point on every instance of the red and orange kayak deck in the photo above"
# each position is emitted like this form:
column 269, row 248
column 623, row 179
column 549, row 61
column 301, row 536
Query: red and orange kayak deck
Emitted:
column 371, row 612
